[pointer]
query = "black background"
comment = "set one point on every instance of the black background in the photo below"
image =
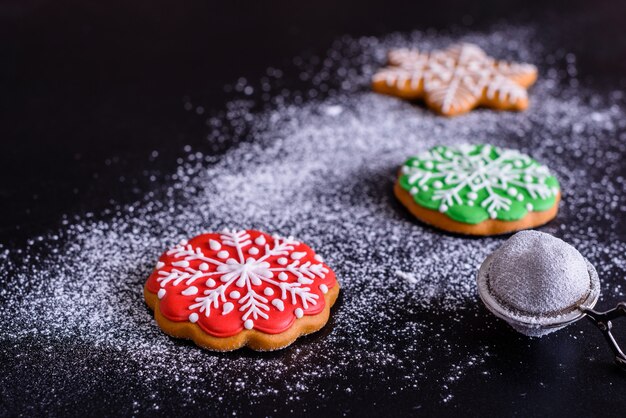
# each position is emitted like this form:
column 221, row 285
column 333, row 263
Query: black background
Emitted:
column 89, row 89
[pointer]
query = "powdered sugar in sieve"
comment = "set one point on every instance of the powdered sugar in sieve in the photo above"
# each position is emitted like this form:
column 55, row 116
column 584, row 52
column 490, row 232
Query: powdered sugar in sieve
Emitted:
column 539, row 284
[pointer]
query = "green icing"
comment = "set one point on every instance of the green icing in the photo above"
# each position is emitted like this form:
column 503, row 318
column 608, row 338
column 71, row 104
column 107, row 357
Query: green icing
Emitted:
column 473, row 183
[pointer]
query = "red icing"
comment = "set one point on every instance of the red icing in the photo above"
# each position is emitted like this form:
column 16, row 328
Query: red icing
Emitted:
column 177, row 307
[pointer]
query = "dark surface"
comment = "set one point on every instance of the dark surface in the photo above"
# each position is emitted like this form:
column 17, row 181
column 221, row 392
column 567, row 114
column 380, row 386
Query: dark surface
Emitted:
column 88, row 90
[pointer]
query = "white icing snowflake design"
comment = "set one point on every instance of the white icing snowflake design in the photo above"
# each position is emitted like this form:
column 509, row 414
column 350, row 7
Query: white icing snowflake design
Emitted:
column 479, row 176
column 243, row 273
column 457, row 79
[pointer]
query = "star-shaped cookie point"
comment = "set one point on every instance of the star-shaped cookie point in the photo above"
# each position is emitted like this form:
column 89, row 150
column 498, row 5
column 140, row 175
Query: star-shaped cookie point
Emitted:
column 456, row 80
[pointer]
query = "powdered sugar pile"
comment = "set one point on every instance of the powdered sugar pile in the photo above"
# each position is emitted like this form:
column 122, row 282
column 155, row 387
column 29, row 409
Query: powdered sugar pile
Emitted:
column 319, row 164
column 537, row 274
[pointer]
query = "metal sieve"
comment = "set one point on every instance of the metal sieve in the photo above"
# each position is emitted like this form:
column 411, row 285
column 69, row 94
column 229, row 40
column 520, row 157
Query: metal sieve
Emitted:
column 536, row 325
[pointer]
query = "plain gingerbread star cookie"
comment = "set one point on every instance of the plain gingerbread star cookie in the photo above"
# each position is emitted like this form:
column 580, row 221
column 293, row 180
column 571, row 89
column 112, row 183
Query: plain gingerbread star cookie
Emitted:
column 241, row 288
column 456, row 80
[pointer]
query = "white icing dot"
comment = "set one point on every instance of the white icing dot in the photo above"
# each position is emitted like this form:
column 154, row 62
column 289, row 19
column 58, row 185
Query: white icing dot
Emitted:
column 493, row 214
column 437, row 184
column 282, row 261
column 283, row 276
column 299, row 312
column 203, row 267
column 405, row 169
column 210, row 283
column 193, row 318
column 512, row 191
column 183, row 242
column 235, row 294
column 159, row 265
column 228, row 306
column 443, row 208
column 318, row 258
column 324, row 288
column 448, row 154
column 555, row 191
column 425, row 187
column 248, row 324
column 182, row 263
column 517, row 163
column 222, row 254
column 429, row 165
column 214, row 245
column 472, row 195
column 529, row 207
column 297, row 255
column 528, row 178
column 413, row 191
column 278, row 304
column 192, row 290
column 268, row 291
column 520, row 197
column 470, row 203
column 260, row 240
column 161, row 293
column 253, row 251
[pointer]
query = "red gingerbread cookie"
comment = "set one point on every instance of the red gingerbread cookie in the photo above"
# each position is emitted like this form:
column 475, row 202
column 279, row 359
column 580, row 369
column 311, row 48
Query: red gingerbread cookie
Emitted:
column 241, row 288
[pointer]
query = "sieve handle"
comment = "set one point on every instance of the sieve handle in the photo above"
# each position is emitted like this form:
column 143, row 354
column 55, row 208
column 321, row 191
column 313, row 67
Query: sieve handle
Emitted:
column 603, row 321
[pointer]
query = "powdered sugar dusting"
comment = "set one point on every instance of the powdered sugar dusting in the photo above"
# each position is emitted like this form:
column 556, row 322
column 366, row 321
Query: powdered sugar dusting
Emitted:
column 319, row 165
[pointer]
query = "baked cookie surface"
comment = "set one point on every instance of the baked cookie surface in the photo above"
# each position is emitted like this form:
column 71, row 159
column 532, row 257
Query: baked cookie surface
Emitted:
column 456, row 80
column 241, row 288
column 478, row 189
